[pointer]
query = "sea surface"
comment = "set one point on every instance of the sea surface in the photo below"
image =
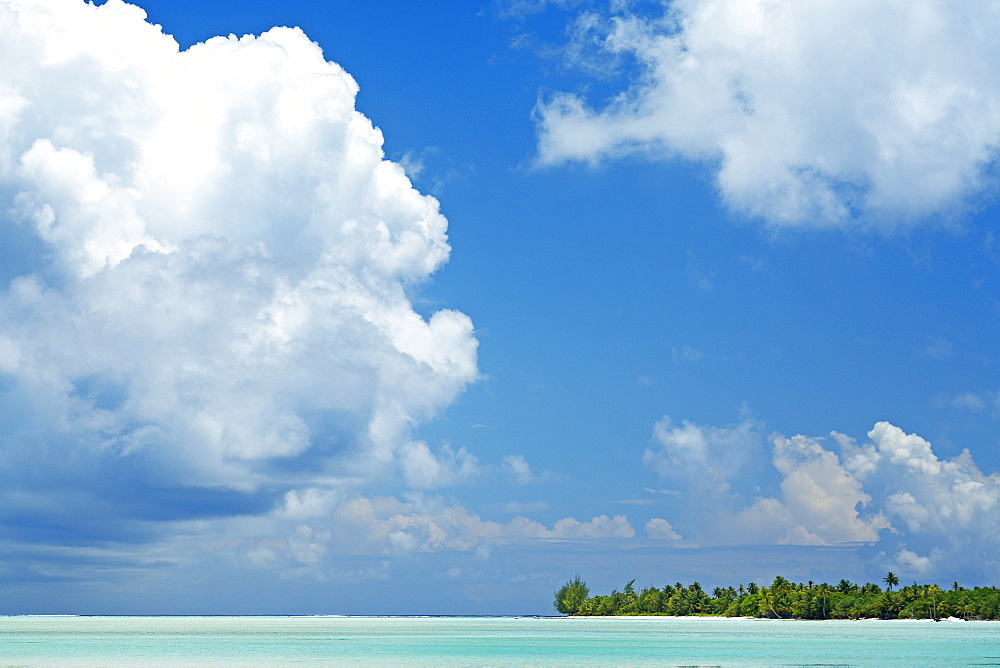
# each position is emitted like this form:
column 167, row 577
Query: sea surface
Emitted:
column 490, row 641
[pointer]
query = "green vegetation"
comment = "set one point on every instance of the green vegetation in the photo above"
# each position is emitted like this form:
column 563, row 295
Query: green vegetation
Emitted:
column 571, row 596
column 788, row 600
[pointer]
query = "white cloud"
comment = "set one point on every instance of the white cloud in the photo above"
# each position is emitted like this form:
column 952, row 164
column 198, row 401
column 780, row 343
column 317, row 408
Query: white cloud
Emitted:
column 601, row 526
column 660, row 529
column 412, row 164
column 821, row 494
column 806, row 128
column 912, row 562
column 910, row 451
column 686, row 354
column 708, row 458
column 820, row 502
column 221, row 290
column 948, row 513
column 934, row 516
column 970, row 401
column 425, row 470
column 316, row 527
column 936, row 498
column 938, row 348
column 520, row 470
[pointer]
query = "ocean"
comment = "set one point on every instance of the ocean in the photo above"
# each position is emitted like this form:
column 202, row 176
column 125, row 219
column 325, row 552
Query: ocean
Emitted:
column 490, row 641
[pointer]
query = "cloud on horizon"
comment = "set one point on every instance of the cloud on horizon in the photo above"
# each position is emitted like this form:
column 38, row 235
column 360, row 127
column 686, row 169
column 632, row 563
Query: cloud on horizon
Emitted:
column 926, row 516
column 811, row 114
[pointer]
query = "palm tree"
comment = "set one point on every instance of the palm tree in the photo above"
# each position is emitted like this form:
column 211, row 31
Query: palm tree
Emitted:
column 767, row 597
column 824, row 590
column 888, row 607
column 845, row 586
column 890, row 580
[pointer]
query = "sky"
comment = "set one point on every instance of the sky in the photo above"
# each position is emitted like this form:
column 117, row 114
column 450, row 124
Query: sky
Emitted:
column 425, row 308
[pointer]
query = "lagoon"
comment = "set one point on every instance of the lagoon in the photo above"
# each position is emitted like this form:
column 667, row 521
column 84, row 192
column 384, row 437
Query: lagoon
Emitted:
column 490, row 641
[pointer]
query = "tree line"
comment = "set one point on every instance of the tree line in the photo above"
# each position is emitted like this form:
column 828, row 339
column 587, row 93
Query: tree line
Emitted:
column 787, row 600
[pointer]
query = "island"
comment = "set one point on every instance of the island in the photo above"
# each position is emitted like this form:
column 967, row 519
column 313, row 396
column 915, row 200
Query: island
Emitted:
column 784, row 599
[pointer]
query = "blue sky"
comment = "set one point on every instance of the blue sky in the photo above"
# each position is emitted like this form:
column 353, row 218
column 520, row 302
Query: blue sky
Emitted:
column 427, row 308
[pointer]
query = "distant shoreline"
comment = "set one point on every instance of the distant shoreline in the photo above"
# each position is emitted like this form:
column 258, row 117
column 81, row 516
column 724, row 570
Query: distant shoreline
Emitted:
column 694, row 618
column 784, row 599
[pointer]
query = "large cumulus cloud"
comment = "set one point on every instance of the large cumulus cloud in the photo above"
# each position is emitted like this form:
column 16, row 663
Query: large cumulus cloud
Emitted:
column 814, row 113
column 211, row 273
column 924, row 515
column 946, row 511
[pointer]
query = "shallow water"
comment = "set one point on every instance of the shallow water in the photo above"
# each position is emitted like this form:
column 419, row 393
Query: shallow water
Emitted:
column 486, row 641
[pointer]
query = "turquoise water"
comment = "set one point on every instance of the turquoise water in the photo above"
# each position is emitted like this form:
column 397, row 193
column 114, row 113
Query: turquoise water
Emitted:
column 489, row 641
